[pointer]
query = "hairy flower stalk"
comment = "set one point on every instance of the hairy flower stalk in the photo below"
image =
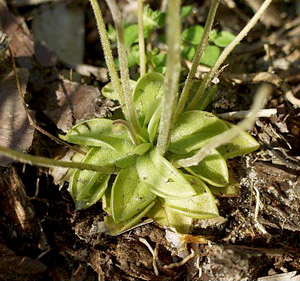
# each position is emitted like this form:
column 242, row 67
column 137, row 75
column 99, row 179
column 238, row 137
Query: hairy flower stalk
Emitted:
column 129, row 103
column 108, row 53
column 263, row 92
column 141, row 38
column 196, row 61
column 209, row 76
column 46, row 162
column 172, row 75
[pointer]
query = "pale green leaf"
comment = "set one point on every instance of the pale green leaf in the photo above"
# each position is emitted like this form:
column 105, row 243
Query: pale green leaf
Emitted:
column 224, row 38
column 148, row 89
column 161, row 177
column 188, row 52
column 109, row 92
column 87, row 187
column 241, row 145
column 151, row 109
column 230, row 190
column 153, row 124
column 210, row 55
column 212, row 35
column 206, row 98
column 116, row 229
column 98, row 132
column 193, row 129
column 129, row 195
column 167, row 217
column 212, row 169
column 153, row 18
column 159, row 60
column 193, row 34
column 131, row 34
column 142, row 148
column 133, row 57
column 200, row 206
column 186, row 10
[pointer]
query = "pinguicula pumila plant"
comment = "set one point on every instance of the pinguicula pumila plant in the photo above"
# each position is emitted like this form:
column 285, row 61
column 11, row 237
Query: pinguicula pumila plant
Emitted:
column 166, row 152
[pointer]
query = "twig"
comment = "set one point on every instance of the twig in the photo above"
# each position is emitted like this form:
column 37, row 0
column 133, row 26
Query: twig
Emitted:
column 292, row 99
column 184, row 261
column 154, row 254
column 246, row 113
column 257, row 77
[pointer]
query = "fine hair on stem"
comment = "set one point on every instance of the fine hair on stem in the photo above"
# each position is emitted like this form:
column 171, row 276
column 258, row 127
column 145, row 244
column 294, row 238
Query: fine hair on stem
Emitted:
column 172, row 75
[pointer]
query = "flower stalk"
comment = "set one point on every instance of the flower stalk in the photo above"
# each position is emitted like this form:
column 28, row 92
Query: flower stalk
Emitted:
column 141, row 39
column 108, row 53
column 172, row 75
column 47, row 162
column 196, row 61
column 129, row 103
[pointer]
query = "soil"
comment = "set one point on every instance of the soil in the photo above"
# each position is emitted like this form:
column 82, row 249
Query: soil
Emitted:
column 43, row 236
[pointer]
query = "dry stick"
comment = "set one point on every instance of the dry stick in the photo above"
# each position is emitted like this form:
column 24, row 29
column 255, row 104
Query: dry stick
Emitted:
column 31, row 121
column 108, row 53
column 246, row 113
column 263, row 92
column 172, row 75
column 209, row 76
column 196, row 60
column 141, row 39
column 129, row 103
column 46, row 162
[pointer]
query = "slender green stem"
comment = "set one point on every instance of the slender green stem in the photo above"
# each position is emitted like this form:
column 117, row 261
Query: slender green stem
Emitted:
column 196, row 61
column 129, row 103
column 46, row 162
column 263, row 92
column 209, row 76
column 172, row 75
column 108, row 53
column 141, row 39
column 134, row 138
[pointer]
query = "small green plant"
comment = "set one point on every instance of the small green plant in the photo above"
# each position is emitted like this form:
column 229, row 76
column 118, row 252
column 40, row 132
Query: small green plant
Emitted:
column 147, row 152
column 163, row 157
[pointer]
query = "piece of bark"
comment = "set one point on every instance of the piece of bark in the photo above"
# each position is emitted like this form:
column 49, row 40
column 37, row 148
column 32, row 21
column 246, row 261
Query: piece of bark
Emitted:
column 18, row 268
column 15, row 131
